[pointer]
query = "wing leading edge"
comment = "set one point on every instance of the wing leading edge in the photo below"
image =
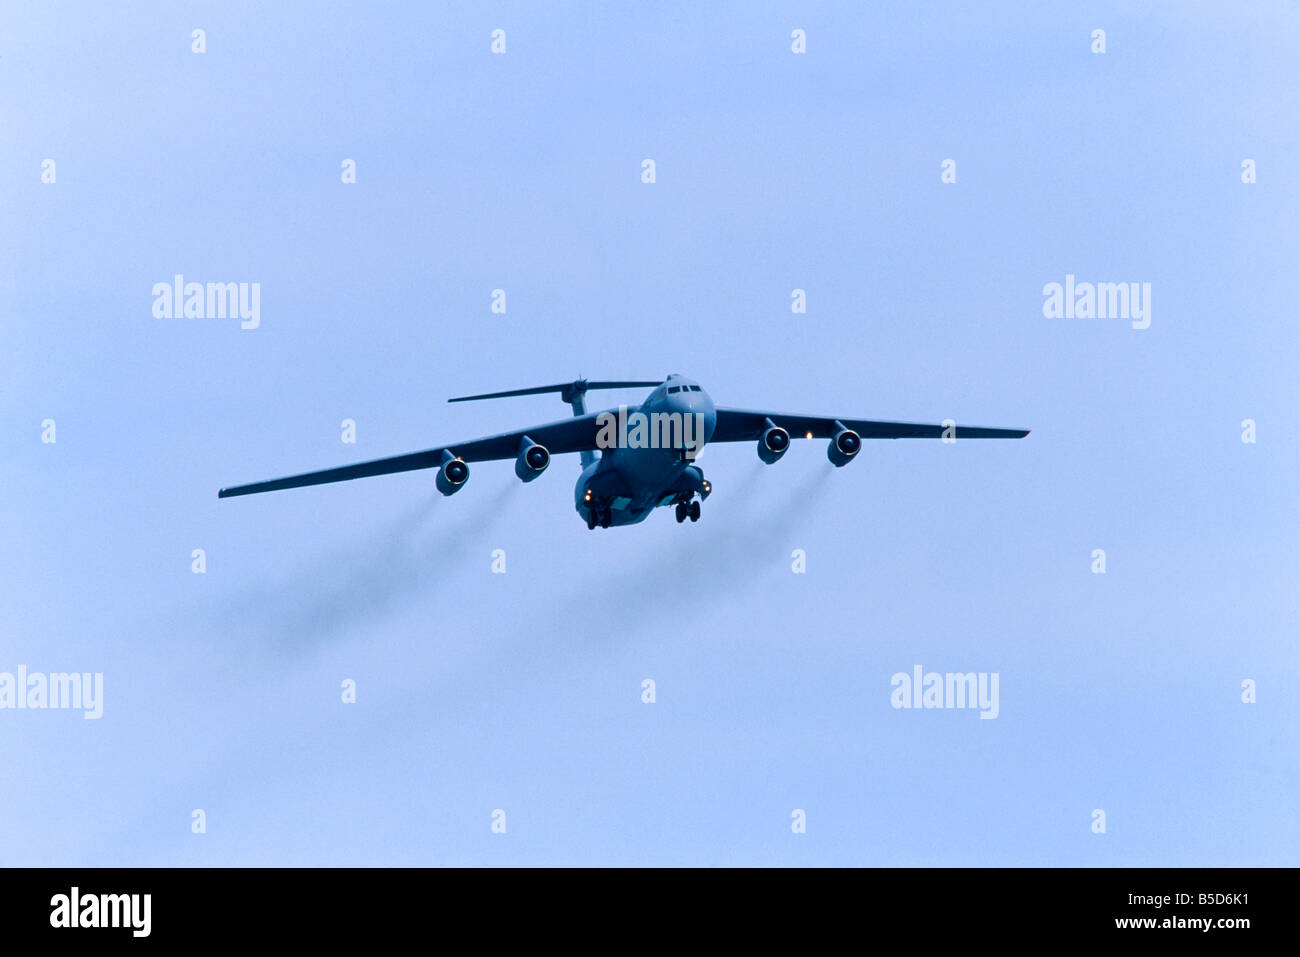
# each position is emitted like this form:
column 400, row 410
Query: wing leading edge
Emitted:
column 740, row 425
column 567, row 435
column 579, row 435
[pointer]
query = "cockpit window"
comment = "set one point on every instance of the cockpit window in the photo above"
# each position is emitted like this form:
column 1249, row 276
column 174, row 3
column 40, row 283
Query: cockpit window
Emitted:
column 693, row 388
column 674, row 388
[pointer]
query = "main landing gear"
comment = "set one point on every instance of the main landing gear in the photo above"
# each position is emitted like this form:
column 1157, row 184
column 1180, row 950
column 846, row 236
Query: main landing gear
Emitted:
column 687, row 510
column 598, row 516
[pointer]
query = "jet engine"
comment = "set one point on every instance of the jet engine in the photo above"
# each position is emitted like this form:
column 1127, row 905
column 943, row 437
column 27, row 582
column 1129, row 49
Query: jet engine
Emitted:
column 532, row 460
column 453, row 474
column 774, row 441
column 845, row 444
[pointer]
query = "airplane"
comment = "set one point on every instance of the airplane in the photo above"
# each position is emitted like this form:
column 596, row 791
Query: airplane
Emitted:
column 646, row 454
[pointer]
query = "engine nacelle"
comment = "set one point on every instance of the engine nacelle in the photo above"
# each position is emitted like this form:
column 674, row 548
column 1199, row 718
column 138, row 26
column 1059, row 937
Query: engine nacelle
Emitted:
column 532, row 460
column 452, row 475
column 773, row 443
column 845, row 444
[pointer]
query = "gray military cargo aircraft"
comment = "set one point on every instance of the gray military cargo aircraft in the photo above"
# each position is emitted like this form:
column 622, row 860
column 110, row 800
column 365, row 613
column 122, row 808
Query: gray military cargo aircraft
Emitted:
column 647, row 453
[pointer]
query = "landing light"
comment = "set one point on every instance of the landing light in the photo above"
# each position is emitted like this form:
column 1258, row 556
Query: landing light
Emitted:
column 808, row 436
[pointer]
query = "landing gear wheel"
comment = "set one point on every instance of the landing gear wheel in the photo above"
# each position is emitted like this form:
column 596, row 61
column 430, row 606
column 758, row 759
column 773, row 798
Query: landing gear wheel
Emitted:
column 606, row 518
column 681, row 512
column 591, row 519
column 693, row 510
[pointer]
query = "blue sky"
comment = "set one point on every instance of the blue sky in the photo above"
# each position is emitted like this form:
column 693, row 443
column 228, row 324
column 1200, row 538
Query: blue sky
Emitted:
column 479, row 691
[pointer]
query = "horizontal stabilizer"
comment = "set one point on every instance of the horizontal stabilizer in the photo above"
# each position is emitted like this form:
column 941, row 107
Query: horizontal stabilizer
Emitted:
column 571, row 388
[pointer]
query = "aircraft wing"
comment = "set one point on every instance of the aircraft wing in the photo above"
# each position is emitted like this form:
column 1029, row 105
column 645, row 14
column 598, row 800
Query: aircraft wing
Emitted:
column 740, row 425
column 567, row 435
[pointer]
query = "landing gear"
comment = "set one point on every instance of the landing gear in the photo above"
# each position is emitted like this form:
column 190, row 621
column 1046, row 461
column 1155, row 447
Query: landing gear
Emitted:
column 591, row 519
column 687, row 510
column 681, row 512
column 604, row 517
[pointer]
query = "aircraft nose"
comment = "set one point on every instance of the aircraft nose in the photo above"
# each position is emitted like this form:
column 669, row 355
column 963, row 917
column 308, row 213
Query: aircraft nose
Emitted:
column 695, row 403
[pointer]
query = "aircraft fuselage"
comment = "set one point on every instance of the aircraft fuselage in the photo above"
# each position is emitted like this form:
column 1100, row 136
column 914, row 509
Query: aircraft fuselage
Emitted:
column 631, row 479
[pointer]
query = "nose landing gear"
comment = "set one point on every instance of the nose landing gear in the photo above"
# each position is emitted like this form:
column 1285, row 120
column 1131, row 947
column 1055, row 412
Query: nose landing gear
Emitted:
column 599, row 516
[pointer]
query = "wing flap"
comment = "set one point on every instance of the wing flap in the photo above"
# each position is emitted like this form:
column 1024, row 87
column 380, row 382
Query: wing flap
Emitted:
column 740, row 425
column 567, row 435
